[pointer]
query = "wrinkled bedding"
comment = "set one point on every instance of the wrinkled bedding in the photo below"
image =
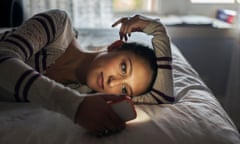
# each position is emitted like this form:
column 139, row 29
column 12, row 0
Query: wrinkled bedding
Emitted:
column 196, row 117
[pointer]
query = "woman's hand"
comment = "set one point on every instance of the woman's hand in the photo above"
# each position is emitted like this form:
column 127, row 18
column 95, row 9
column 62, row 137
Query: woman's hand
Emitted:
column 131, row 24
column 96, row 115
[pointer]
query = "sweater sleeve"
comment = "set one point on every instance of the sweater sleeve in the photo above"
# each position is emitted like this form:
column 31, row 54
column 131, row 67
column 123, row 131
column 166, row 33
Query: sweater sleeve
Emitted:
column 24, row 83
column 162, row 91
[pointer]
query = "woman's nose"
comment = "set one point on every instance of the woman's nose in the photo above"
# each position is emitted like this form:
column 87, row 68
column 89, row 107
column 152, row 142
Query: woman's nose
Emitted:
column 114, row 81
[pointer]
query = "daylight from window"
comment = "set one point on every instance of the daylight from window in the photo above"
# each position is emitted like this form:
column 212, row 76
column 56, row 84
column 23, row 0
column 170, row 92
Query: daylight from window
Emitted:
column 134, row 5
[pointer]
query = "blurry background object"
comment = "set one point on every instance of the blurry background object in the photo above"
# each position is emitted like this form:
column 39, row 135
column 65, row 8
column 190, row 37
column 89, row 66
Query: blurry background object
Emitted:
column 226, row 15
column 84, row 13
column 92, row 13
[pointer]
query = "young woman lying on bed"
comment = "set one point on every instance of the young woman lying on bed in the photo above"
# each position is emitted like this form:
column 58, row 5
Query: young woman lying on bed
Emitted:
column 42, row 62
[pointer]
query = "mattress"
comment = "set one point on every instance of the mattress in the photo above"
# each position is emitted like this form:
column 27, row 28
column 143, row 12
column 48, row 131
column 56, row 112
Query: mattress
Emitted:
column 197, row 117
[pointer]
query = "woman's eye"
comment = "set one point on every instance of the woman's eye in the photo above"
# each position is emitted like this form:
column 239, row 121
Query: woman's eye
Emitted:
column 124, row 68
column 124, row 89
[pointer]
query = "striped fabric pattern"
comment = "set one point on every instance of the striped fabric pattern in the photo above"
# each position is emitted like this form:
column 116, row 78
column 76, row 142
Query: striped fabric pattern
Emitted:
column 48, row 25
column 27, row 51
column 42, row 28
column 40, row 61
column 6, row 33
column 162, row 90
column 23, row 85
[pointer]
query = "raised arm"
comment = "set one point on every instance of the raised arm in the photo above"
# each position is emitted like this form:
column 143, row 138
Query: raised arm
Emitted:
column 36, row 33
column 162, row 91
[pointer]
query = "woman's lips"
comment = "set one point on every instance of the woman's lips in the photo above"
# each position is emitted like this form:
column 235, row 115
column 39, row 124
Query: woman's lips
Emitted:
column 100, row 81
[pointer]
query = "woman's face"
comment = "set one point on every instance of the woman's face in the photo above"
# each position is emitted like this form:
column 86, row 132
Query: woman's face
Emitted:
column 118, row 72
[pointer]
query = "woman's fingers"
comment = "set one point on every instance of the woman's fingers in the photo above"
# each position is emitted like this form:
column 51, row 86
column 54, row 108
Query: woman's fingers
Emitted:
column 121, row 20
column 126, row 26
column 116, row 23
column 132, row 24
column 123, row 32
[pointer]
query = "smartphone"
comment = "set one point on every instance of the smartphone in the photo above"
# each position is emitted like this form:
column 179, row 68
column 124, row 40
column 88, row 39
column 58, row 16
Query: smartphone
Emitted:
column 125, row 109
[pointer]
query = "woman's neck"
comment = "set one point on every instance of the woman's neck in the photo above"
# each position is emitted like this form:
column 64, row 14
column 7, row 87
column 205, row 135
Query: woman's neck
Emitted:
column 81, row 69
column 72, row 65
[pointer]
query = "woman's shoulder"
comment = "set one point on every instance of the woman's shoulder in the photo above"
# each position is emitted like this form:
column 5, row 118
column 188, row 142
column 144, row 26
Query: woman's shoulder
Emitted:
column 56, row 12
column 55, row 17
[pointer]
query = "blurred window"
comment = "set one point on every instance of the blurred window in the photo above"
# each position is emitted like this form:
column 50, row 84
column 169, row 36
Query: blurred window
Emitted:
column 135, row 5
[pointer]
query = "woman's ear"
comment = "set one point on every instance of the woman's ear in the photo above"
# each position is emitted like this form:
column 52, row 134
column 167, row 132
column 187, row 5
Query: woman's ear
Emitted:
column 114, row 45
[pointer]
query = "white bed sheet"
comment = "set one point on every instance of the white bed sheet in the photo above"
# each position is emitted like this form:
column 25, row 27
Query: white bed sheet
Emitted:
column 196, row 117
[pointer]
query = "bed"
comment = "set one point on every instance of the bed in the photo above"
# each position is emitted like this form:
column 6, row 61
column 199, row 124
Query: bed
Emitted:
column 196, row 117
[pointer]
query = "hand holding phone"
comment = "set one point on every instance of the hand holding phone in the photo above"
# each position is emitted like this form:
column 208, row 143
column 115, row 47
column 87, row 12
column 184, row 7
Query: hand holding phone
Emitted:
column 124, row 108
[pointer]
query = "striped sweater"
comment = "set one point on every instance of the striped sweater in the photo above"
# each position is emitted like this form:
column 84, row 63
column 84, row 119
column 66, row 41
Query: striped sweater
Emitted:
column 27, row 51
column 25, row 54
